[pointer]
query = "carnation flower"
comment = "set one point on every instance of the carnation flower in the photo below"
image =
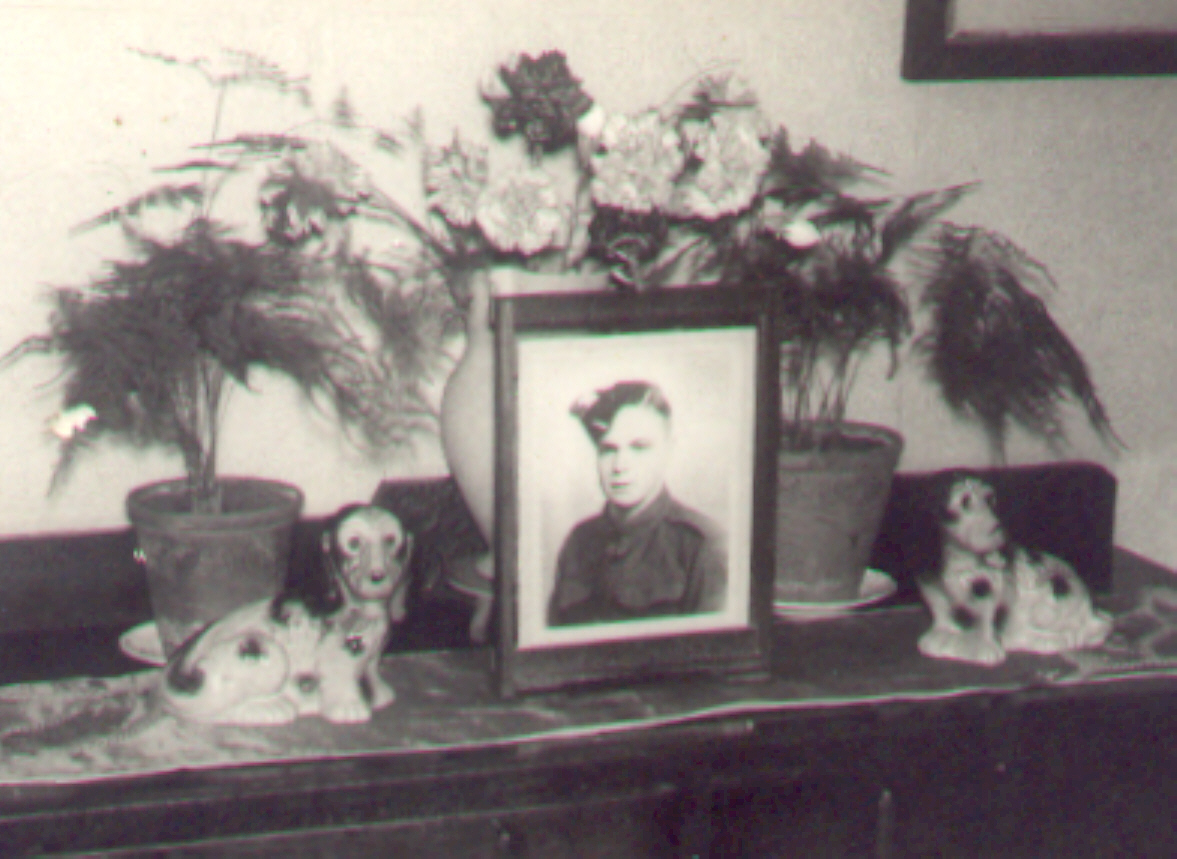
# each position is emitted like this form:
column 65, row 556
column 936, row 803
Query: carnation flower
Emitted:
column 636, row 162
column 455, row 177
column 592, row 122
column 72, row 421
column 523, row 212
column 731, row 157
column 542, row 102
column 715, row 94
column 789, row 225
column 801, row 234
column 310, row 190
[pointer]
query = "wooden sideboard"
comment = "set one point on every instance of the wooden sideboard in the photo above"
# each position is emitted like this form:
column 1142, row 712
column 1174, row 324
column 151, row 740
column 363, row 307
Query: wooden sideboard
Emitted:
column 1084, row 769
column 1022, row 767
column 1085, row 772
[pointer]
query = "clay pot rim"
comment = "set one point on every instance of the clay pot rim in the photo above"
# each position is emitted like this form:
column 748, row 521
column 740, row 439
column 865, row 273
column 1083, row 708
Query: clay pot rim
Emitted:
column 280, row 505
column 888, row 445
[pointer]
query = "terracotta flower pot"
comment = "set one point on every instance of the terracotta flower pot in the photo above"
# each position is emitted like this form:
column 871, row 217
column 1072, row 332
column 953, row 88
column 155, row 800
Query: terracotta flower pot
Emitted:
column 830, row 504
column 202, row 566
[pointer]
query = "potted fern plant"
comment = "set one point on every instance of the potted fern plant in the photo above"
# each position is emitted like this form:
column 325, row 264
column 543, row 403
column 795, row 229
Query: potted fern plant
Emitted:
column 152, row 347
column 852, row 271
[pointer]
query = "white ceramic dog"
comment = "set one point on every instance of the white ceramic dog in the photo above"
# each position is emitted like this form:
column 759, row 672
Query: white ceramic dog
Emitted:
column 272, row 661
column 992, row 596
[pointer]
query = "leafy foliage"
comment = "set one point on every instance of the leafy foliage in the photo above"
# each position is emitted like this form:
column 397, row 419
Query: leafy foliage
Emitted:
column 992, row 346
column 151, row 345
column 705, row 191
column 841, row 296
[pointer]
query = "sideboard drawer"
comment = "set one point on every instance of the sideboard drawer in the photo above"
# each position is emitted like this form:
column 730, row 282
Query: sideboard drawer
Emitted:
column 618, row 826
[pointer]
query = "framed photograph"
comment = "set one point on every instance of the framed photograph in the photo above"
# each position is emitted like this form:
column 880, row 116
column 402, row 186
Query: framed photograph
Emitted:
column 635, row 485
column 974, row 39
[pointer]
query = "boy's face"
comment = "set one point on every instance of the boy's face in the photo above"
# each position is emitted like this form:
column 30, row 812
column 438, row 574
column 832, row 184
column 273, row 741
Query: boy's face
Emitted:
column 632, row 456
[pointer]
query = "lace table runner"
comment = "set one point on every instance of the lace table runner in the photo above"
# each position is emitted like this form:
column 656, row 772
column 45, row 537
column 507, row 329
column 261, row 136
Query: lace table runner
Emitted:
column 86, row 729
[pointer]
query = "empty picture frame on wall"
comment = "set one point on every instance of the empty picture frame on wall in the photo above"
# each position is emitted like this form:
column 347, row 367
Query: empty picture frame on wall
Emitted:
column 635, row 485
column 978, row 39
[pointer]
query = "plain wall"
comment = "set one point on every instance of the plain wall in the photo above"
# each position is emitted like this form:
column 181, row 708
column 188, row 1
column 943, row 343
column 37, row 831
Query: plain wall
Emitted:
column 1080, row 172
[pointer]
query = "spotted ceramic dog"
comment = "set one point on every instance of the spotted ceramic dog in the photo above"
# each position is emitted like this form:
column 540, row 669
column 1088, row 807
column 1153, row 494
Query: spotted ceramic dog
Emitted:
column 991, row 596
column 272, row 661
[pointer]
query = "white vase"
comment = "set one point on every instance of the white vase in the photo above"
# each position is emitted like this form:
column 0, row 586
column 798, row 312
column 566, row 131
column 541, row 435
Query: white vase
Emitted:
column 468, row 404
column 467, row 411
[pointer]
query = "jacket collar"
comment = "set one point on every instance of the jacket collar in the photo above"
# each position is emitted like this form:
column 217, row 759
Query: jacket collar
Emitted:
column 656, row 510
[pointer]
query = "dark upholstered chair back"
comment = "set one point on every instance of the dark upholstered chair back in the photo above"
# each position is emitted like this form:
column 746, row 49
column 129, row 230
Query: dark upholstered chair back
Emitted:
column 1067, row 509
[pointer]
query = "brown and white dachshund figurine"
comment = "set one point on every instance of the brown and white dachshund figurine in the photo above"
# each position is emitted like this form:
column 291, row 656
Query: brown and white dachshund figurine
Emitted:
column 272, row 661
column 992, row 596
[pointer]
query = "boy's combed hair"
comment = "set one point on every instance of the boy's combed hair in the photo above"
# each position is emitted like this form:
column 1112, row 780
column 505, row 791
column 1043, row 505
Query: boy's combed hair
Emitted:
column 597, row 410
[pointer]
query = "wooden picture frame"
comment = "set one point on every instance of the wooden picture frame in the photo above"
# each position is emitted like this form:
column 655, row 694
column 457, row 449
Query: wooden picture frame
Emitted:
column 713, row 355
column 947, row 40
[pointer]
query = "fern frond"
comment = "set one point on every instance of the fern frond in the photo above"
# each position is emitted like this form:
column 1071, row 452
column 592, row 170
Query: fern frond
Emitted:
column 914, row 215
column 813, row 172
column 169, row 195
column 258, row 144
column 992, row 346
column 200, row 164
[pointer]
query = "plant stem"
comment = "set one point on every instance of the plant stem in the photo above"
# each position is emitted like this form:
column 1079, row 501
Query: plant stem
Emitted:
column 201, row 425
column 222, row 92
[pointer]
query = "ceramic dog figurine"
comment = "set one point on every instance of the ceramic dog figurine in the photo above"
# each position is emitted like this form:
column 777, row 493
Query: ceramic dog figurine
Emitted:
column 991, row 596
column 272, row 661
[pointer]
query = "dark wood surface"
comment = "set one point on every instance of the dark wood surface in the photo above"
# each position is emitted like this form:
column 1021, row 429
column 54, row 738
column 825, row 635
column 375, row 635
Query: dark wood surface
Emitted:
column 1082, row 770
column 1070, row 774
column 1085, row 770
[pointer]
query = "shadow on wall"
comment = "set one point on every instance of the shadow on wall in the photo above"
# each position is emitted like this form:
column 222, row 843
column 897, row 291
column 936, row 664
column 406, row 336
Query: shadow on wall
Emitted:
column 1148, row 504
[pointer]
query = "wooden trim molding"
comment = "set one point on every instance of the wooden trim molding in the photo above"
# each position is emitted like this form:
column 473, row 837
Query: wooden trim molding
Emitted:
column 932, row 52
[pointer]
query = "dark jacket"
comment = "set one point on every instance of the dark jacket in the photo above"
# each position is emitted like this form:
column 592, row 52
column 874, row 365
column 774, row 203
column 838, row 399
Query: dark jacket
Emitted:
column 667, row 560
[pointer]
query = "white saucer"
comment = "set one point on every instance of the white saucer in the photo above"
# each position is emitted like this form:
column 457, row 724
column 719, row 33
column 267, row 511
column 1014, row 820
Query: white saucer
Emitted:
column 876, row 586
column 142, row 642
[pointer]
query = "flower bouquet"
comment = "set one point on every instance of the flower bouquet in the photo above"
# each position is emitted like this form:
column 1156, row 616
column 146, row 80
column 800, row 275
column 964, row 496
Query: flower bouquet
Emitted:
column 705, row 190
